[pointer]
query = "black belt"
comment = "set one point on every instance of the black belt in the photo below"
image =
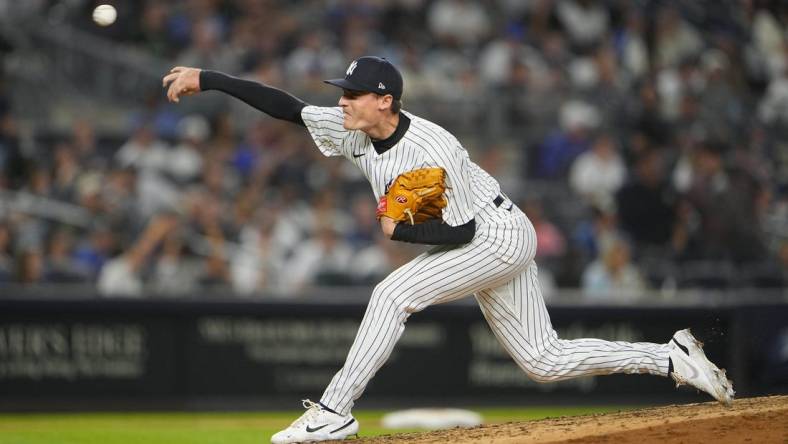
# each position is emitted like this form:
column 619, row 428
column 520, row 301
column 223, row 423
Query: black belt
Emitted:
column 500, row 200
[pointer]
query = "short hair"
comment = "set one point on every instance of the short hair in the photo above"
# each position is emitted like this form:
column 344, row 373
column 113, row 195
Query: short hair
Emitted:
column 396, row 106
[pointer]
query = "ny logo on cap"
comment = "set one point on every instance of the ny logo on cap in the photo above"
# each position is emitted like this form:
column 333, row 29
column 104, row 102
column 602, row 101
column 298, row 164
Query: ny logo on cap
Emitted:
column 351, row 68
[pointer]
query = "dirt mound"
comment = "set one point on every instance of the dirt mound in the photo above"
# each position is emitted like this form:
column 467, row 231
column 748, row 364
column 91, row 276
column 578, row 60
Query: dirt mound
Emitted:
column 753, row 420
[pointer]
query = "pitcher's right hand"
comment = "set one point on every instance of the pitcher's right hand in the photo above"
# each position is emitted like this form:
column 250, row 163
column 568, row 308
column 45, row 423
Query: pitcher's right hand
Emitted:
column 183, row 81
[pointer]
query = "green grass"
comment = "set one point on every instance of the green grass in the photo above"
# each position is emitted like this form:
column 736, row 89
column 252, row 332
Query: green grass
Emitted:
column 205, row 428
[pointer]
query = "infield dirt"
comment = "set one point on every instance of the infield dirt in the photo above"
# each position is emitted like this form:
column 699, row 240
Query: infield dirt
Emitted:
column 750, row 420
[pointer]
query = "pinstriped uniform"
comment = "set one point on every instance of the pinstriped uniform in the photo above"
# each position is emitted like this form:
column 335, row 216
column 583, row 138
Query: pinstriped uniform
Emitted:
column 497, row 267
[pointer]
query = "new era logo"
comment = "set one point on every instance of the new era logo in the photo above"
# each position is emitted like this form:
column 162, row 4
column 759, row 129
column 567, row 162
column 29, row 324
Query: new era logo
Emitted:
column 381, row 85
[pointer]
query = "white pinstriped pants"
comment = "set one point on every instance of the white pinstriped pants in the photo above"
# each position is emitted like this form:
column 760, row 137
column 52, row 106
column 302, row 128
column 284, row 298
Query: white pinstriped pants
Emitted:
column 497, row 266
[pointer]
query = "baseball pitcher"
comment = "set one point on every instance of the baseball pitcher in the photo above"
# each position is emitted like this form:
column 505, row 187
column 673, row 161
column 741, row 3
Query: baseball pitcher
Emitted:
column 430, row 192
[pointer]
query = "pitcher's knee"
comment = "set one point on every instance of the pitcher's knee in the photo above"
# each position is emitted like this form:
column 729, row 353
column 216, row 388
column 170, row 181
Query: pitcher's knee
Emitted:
column 540, row 376
column 386, row 295
column 541, row 369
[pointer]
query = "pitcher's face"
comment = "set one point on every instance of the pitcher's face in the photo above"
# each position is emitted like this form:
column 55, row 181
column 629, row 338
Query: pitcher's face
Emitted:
column 362, row 110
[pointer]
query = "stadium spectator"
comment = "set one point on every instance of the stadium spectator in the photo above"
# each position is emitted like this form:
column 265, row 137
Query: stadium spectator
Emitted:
column 94, row 249
column 376, row 260
column 185, row 159
column 594, row 235
column 675, row 38
column 175, row 272
column 550, row 242
column 773, row 108
column 631, row 48
column 782, row 256
column 721, row 110
column 726, row 200
column 646, row 207
column 256, row 264
column 6, row 261
column 612, row 275
column 364, row 230
column 322, row 259
column 30, row 266
column 598, row 173
column 607, row 90
column 153, row 33
column 563, row 145
column 66, row 171
column 312, row 58
column 85, row 144
column 458, row 22
column 59, row 264
column 122, row 275
column 586, row 22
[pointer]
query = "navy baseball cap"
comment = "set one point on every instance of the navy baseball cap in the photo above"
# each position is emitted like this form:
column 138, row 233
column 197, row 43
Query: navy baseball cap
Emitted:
column 371, row 74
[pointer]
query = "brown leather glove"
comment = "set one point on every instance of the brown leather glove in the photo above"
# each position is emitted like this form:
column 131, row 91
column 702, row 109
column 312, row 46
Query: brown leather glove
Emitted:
column 415, row 196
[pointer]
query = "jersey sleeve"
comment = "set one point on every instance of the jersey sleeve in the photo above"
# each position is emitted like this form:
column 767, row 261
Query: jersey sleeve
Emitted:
column 325, row 125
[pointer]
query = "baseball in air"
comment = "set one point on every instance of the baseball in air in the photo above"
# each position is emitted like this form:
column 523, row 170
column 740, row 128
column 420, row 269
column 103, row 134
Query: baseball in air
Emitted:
column 104, row 15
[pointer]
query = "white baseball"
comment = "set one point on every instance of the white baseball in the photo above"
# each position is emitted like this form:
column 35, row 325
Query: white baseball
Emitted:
column 104, row 15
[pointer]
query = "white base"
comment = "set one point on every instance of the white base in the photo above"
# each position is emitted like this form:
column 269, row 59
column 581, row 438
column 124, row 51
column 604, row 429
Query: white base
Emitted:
column 431, row 419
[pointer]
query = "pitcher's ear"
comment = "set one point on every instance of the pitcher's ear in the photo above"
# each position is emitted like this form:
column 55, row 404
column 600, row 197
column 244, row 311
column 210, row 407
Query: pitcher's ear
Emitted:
column 386, row 101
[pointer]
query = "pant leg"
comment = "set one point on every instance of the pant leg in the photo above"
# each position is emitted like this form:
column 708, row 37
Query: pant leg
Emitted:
column 441, row 275
column 518, row 317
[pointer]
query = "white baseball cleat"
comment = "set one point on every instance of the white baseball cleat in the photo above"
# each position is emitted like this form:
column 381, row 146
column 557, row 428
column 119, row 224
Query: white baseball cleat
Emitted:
column 317, row 424
column 690, row 366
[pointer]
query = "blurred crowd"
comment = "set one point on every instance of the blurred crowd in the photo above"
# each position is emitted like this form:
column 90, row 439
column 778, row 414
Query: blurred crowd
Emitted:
column 645, row 140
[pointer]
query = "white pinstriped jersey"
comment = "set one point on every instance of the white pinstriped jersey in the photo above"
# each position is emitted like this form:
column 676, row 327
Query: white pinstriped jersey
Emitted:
column 470, row 190
column 496, row 266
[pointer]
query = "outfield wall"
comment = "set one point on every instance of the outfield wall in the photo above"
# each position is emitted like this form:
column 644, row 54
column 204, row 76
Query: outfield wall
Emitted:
column 120, row 353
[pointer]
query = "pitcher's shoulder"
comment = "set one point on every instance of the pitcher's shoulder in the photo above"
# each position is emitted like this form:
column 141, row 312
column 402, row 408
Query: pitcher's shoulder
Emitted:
column 423, row 131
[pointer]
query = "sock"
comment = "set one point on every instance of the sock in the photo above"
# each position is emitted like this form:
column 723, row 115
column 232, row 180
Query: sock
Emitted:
column 325, row 407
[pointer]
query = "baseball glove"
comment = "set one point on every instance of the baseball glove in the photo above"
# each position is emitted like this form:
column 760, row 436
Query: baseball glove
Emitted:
column 415, row 196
